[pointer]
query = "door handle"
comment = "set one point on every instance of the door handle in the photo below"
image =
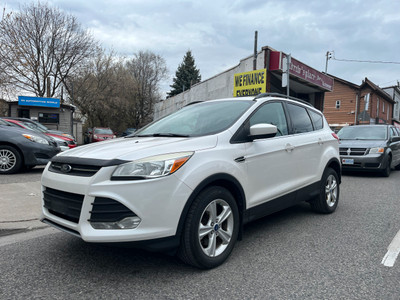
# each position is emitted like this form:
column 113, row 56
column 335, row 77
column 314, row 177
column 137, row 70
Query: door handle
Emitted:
column 320, row 142
column 289, row 147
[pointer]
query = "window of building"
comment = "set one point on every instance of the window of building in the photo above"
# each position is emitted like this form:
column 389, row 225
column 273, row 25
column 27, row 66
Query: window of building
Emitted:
column 377, row 108
column 49, row 118
column 383, row 106
column 337, row 105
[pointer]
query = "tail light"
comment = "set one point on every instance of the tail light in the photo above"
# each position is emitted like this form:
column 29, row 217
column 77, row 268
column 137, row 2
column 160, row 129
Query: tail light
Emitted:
column 335, row 136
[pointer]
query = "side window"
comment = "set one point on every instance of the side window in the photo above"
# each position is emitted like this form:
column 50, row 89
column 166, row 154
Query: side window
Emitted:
column 317, row 120
column 393, row 132
column 271, row 113
column 300, row 119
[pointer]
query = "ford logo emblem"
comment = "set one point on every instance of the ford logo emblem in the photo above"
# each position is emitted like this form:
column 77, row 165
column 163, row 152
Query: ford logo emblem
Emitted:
column 65, row 168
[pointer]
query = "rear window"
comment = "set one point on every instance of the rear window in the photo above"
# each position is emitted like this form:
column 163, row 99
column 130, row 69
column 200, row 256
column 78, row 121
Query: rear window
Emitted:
column 317, row 120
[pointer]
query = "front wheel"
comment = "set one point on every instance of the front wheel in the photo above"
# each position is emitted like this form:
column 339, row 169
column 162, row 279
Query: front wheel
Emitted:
column 328, row 197
column 10, row 160
column 211, row 229
column 388, row 168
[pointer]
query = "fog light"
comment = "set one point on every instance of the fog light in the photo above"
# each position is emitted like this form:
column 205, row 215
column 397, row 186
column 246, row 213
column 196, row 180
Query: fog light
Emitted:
column 127, row 223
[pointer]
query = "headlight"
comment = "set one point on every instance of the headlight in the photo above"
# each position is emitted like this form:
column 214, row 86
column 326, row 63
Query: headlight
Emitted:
column 376, row 150
column 36, row 139
column 152, row 167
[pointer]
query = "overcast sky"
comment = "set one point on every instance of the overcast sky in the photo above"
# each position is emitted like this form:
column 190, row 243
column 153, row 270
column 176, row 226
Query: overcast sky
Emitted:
column 221, row 33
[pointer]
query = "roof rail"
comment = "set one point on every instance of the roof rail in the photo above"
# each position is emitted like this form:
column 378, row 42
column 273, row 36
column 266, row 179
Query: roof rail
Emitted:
column 262, row 95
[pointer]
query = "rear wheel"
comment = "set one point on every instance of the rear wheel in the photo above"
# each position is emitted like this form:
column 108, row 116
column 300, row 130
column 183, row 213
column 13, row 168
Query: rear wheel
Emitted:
column 328, row 198
column 10, row 160
column 211, row 229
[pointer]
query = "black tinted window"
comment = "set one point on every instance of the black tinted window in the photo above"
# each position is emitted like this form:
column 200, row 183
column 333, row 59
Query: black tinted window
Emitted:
column 316, row 119
column 301, row 121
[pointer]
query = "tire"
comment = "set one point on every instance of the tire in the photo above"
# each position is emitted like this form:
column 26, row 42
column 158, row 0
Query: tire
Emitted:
column 388, row 169
column 10, row 160
column 207, row 242
column 328, row 198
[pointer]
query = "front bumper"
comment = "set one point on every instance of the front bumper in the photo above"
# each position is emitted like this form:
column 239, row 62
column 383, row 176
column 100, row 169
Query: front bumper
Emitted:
column 368, row 162
column 38, row 154
column 157, row 202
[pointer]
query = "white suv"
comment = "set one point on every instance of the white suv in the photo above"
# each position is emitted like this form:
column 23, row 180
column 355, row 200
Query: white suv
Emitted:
column 189, row 181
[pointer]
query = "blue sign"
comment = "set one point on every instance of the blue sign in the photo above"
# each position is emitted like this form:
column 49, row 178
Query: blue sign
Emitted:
column 38, row 101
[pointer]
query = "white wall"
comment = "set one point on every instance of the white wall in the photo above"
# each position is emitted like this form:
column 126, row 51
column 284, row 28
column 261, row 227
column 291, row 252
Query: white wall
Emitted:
column 217, row 87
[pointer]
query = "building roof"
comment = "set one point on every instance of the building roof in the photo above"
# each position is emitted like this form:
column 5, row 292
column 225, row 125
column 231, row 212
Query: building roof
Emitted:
column 376, row 89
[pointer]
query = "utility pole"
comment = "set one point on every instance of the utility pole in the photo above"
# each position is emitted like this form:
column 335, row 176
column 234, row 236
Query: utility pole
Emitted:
column 328, row 57
column 255, row 51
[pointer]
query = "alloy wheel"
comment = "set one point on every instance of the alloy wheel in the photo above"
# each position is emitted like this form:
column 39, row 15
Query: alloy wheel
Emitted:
column 7, row 160
column 331, row 190
column 216, row 228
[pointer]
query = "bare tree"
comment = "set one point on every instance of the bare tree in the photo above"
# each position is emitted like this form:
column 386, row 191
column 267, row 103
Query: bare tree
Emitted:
column 113, row 93
column 146, row 70
column 41, row 47
column 95, row 89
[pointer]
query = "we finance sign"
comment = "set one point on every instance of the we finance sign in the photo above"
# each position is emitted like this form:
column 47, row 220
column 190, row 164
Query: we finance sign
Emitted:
column 250, row 83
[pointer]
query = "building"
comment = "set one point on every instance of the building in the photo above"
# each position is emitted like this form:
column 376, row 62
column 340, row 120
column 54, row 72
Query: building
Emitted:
column 254, row 75
column 350, row 104
column 47, row 111
column 394, row 92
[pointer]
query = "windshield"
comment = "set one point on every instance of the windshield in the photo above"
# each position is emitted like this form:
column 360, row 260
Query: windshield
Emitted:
column 198, row 119
column 33, row 126
column 363, row 133
column 103, row 131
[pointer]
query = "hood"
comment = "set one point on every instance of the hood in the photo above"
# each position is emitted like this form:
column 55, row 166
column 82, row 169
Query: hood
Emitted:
column 132, row 148
column 26, row 131
column 362, row 143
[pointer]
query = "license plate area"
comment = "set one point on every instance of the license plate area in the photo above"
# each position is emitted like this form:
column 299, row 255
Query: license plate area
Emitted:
column 348, row 161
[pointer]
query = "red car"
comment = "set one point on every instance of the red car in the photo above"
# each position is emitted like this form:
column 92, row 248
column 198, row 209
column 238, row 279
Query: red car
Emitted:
column 98, row 134
column 28, row 125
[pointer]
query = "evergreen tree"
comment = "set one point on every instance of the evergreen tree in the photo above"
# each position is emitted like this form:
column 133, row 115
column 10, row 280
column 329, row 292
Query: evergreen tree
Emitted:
column 185, row 76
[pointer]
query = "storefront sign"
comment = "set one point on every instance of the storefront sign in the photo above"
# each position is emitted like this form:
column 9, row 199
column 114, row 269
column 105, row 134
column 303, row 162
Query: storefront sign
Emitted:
column 301, row 70
column 38, row 101
column 250, row 83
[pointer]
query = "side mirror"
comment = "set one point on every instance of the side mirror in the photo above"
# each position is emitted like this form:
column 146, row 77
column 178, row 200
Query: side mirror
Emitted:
column 262, row 131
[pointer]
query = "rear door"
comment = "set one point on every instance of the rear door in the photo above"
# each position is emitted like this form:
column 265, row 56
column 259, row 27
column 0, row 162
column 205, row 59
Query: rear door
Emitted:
column 307, row 143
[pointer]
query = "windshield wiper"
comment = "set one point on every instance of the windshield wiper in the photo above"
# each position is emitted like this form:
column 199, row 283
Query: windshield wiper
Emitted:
column 162, row 135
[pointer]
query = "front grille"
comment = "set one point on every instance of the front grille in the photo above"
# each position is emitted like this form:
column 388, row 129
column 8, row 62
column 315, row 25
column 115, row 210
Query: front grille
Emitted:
column 353, row 151
column 109, row 210
column 63, row 204
column 73, row 169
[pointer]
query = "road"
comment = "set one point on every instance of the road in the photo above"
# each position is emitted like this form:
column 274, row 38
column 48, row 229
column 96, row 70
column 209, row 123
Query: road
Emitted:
column 294, row 254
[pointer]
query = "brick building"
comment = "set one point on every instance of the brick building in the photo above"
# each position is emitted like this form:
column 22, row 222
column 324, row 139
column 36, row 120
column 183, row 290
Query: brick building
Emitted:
column 350, row 104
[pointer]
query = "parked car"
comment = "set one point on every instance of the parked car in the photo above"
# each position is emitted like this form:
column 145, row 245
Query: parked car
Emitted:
column 44, row 128
column 36, row 126
column 62, row 142
column 128, row 131
column 189, row 181
column 23, row 148
column 98, row 134
column 370, row 148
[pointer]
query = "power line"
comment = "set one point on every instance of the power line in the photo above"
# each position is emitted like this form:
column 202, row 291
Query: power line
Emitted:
column 331, row 55
column 367, row 61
